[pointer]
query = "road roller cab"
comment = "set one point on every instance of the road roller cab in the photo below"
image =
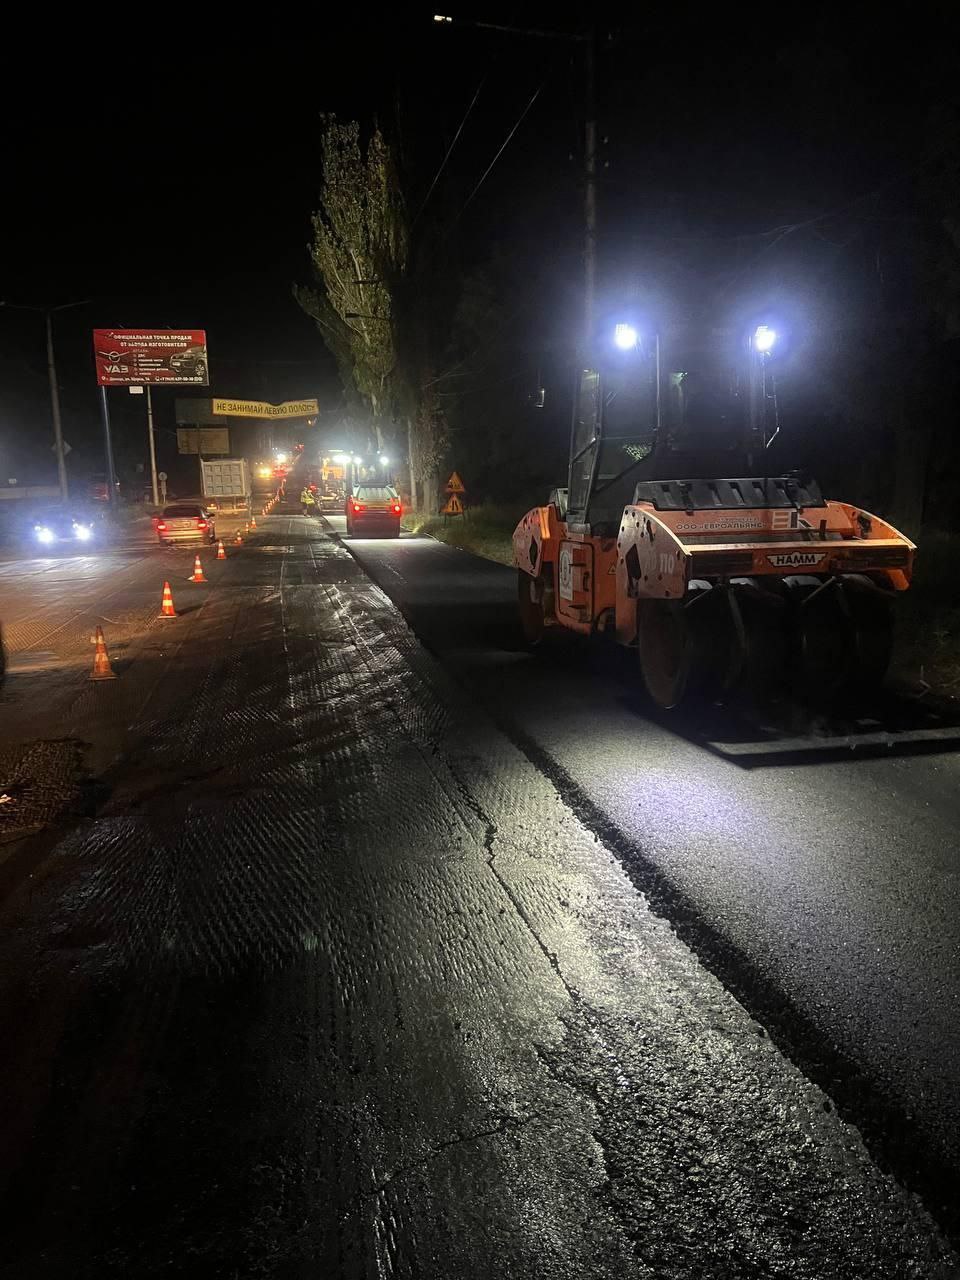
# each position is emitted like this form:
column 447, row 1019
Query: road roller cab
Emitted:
column 672, row 536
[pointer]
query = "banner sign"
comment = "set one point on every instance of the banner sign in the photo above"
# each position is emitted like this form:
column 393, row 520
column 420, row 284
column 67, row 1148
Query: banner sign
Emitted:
column 128, row 356
column 204, row 440
column 259, row 409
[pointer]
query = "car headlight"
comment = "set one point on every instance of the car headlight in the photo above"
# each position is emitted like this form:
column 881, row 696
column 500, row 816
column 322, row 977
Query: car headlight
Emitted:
column 83, row 532
column 44, row 534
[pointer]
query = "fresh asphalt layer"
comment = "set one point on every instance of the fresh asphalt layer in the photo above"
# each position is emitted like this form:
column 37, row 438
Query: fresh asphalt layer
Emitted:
column 814, row 866
column 307, row 969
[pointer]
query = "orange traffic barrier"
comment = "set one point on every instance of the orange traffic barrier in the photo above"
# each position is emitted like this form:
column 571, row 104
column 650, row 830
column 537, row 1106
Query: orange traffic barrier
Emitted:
column 221, row 553
column 197, row 575
column 102, row 669
column 166, row 604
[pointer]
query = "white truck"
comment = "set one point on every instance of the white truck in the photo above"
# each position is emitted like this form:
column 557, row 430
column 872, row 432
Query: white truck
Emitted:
column 226, row 483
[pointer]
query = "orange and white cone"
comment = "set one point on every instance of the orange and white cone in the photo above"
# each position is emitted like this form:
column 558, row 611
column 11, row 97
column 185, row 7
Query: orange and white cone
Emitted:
column 221, row 553
column 166, row 604
column 102, row 669
column 197, row 575
column 237, row 540
column 253, row 522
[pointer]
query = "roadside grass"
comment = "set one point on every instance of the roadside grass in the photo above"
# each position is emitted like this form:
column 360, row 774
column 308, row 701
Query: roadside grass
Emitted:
column 486, row 530
column 928, row 615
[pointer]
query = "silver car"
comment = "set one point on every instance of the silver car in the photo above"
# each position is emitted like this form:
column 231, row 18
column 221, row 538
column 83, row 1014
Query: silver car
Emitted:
column 185, row 522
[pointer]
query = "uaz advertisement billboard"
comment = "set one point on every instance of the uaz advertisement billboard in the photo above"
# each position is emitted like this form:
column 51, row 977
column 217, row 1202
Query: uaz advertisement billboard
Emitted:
column 127, row 357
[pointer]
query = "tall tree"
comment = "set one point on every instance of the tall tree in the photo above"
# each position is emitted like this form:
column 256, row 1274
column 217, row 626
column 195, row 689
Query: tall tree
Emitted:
column 359, row 254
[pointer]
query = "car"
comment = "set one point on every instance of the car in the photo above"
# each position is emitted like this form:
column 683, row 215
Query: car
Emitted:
column 60, row 527
column 191, row 363
column 185, row 522
column 374, row 509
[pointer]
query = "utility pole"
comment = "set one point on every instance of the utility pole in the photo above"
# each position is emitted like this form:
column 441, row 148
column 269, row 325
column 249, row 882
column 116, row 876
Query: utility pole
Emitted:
column 153, row 450
column 589, row 186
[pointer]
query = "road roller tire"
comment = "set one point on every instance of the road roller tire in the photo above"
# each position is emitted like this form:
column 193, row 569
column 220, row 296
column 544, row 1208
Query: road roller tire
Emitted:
column 530, row 601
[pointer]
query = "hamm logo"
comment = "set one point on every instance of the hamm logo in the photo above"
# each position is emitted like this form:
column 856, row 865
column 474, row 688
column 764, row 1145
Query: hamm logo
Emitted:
column 796, row 560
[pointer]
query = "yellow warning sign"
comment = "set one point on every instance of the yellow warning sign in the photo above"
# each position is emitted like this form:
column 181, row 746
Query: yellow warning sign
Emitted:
column 455, row 484
column 454, row 506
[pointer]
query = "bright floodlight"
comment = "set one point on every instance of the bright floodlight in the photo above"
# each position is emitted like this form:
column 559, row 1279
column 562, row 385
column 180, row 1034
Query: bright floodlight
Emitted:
column 441, row 17
column 625, row 336
column 384, row 459
column 281, row 457
column 764, row 338
column 84, row 532
column 358, row 462
column 341, row 459
column 44, row 534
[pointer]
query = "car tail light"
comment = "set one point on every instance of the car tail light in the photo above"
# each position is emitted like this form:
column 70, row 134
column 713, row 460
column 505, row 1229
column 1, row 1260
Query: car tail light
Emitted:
column 357, row 506
column 161, row 527
column 201, row 524
column 397, row 509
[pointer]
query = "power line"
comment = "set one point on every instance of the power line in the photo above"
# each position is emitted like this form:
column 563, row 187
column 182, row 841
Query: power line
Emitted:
column 443, row 162
column 503, row 147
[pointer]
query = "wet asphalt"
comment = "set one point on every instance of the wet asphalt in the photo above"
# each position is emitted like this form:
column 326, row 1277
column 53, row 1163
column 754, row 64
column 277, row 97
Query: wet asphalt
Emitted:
column 814, row 864
column 310, row 969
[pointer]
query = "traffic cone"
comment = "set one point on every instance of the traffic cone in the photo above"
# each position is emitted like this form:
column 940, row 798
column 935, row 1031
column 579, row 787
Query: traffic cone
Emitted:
column 101, row 660
column 246, row 527
column 237, row 540
column 197, row 575
column 253, row 522
column 166, row 604
column 221, row 554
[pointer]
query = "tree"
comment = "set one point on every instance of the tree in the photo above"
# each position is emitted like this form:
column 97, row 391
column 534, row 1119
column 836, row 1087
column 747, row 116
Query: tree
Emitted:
column 359, row 254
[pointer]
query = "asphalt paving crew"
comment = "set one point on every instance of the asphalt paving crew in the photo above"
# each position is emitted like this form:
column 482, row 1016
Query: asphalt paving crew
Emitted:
column 307, row 501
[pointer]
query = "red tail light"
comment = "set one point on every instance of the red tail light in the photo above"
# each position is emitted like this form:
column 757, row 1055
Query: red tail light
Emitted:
column 397, row 509
column 357, row 506
column 161, row 527
column 201, row 524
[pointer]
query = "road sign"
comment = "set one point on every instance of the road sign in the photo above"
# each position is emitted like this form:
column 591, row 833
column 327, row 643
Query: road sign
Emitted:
column 141, row 356
column 205, row 440
column 455, row 484
column 66, row 448
column 454, row 506
column 260, row 409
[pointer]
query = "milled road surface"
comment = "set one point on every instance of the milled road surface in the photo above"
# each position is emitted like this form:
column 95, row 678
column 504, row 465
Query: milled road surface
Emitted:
column 323, row 977
column 823, row 884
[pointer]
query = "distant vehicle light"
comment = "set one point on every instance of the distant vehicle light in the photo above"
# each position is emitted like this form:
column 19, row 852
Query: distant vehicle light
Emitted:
column 384, row 459
column 281, row 457
column 263, row 472
column 358, row 462
column 764, row 338
column 44, row 534
column 83, row 532
column 201, row 524
column 161, row 526
column 341, row 459
column 625, row 336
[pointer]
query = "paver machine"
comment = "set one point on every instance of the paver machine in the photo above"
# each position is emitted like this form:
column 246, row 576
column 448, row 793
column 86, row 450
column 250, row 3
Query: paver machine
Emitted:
column 672, row 535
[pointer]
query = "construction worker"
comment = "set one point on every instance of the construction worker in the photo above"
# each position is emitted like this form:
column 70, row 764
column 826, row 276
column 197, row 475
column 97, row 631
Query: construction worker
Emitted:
column 307, row 501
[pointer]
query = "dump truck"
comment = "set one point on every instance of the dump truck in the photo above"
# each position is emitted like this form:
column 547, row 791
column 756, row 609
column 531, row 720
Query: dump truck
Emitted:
column 672, row 536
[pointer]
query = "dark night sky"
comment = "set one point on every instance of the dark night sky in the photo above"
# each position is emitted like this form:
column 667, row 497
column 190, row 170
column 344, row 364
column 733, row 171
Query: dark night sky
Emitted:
column 170, row 177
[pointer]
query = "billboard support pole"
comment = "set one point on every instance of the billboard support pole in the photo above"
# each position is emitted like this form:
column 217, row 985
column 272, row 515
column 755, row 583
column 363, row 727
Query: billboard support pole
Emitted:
column 108, row 449
column 153, row 450
column 55, row 408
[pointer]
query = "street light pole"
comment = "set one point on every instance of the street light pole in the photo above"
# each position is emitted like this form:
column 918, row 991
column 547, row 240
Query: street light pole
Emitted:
column 47, row 313
column 55, row 409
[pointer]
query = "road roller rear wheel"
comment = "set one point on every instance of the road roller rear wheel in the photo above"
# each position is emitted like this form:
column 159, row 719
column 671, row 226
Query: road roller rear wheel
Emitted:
column 530, row 593
column 683, row 646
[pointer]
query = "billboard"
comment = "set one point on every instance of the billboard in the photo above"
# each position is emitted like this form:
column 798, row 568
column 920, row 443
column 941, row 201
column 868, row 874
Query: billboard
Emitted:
column 205, row 440
column 260, row 409
column 125, row 357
